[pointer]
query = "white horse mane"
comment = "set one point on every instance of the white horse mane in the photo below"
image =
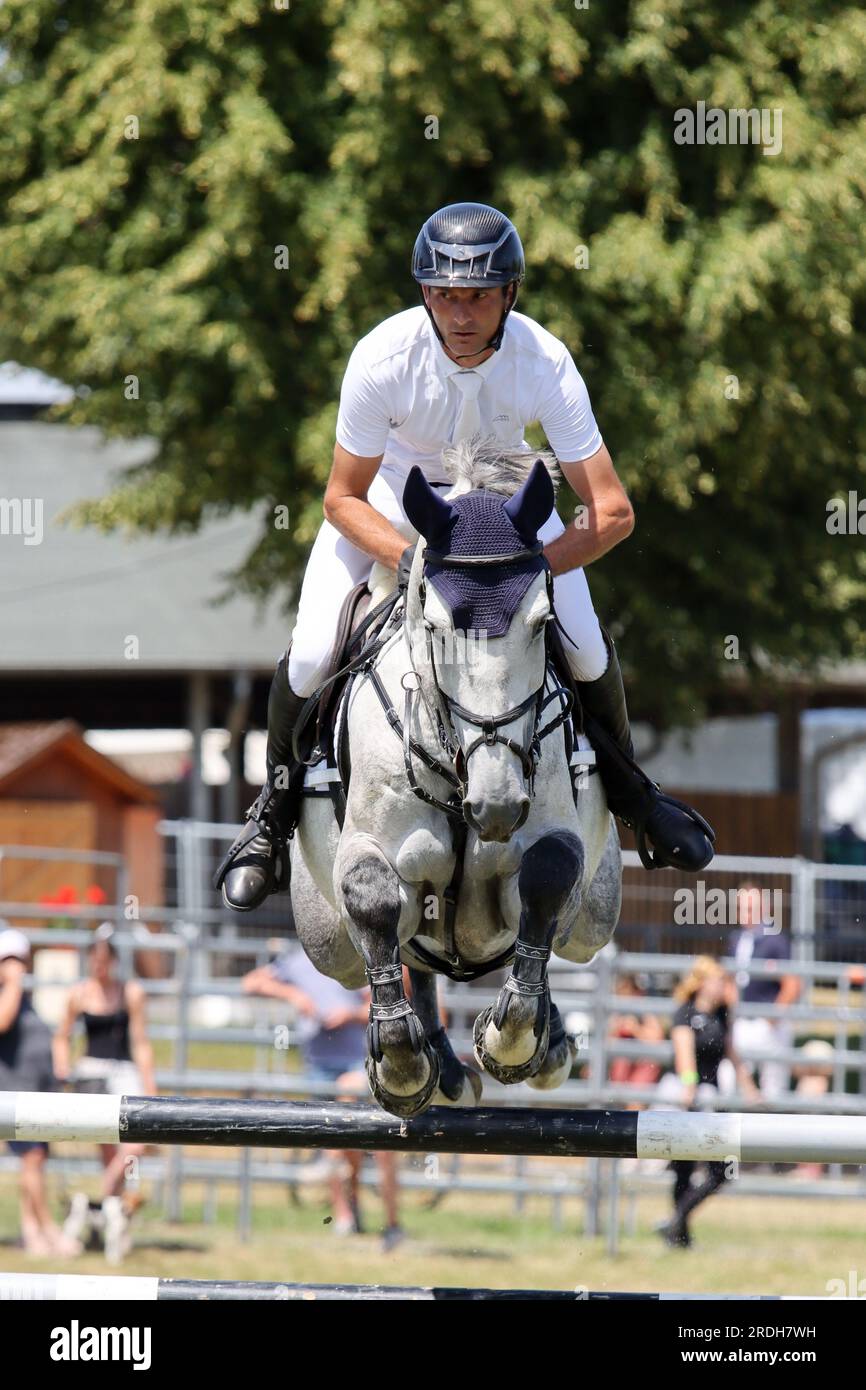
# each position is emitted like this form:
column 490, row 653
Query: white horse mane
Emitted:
column 485, row 463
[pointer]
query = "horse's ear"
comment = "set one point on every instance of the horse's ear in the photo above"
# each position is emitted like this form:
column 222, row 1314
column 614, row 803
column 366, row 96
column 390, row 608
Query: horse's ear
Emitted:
column 532, row 503
column 429, row 513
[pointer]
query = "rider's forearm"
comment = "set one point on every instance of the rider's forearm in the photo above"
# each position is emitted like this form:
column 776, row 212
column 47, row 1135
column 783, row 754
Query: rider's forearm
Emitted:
column 367, row 529
column 597, row 533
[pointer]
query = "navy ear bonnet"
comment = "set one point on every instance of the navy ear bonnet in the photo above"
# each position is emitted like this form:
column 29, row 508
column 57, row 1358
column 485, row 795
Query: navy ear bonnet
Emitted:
column 481, row 523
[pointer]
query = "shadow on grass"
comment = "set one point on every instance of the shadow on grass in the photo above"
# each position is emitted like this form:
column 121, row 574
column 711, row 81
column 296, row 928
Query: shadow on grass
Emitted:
column 458, row 1252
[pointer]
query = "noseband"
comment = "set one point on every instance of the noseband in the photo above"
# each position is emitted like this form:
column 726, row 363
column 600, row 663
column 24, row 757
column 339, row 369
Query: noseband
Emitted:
column 489, row 724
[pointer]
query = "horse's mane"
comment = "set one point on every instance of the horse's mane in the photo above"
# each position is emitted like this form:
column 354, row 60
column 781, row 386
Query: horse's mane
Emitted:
column 485, row 463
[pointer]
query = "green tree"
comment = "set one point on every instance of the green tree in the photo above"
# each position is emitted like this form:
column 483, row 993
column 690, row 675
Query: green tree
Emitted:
column 155, row 157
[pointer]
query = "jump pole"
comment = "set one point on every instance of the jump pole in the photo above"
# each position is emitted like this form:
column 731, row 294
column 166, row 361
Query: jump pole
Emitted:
column 81, row 1288
column 749, row 1138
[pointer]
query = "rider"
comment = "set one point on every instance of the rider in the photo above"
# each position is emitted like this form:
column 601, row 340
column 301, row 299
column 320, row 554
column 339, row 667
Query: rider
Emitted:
column 460, row 363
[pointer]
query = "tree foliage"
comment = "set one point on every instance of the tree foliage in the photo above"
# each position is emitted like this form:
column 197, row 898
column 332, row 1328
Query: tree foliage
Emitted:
column 154, row 156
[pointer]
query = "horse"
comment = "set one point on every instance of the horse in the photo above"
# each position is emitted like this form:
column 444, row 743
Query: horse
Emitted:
column 464, row 846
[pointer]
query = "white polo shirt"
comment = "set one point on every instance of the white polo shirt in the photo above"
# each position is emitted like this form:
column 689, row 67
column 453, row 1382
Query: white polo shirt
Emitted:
column 397, row 399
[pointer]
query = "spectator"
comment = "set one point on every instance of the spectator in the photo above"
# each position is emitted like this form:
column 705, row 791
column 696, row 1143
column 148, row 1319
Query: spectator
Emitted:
column 701, row 1035
column 760, row 938
column 25, row 1065
column 118, row 1060
column 334, row 1049
column 635, row 1071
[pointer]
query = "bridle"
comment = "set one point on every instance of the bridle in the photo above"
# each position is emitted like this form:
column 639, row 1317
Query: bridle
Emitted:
column 456, row 772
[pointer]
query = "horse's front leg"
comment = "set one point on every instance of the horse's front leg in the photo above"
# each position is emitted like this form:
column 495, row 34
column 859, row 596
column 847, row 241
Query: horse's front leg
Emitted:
column 402, row 1066
column 512, row 1036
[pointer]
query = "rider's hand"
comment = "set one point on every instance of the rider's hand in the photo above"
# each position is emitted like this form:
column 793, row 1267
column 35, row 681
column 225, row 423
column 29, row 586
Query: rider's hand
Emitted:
column 404, row 568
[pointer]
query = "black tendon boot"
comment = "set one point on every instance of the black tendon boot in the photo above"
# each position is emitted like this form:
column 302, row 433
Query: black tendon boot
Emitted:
column 681, row 837
column 258, row 862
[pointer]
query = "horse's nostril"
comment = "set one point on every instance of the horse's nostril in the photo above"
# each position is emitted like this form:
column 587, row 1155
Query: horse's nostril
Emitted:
column 499, row 820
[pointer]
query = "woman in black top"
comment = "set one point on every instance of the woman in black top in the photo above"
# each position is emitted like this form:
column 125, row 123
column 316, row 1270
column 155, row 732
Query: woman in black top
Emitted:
column 118, row 1060
column 701, row 1035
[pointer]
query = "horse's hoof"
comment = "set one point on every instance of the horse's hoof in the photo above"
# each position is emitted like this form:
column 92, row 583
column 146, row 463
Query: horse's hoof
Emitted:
column 510, row 1075
column 556, row 1068
column 561, row 1056
column 458, row 1084
column 469, row 1092
column 405, row 1107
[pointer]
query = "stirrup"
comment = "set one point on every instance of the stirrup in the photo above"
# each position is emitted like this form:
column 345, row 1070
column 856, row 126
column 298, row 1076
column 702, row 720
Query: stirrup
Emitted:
column 651, row 861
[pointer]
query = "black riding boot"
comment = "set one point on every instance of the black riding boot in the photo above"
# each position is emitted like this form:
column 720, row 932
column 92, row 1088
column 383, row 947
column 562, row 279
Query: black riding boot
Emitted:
column 676, row 1231
column 681, row 837
column 258, row 862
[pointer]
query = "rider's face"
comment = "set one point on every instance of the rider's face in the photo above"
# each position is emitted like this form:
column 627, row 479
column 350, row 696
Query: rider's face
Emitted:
column 466, row 318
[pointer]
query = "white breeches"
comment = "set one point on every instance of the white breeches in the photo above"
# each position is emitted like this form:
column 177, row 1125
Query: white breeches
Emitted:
column 335, row 566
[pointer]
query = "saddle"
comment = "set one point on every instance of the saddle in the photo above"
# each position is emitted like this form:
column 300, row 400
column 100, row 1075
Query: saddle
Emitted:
column 322, row 735
column 355, row 607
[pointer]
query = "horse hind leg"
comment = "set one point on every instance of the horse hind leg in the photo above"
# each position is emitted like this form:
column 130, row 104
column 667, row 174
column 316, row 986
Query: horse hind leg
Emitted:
column 402, row 1066
column 512, row 1036
column 458, row 1084
column 560, row 1058
column 600, row 905
column 592, row 928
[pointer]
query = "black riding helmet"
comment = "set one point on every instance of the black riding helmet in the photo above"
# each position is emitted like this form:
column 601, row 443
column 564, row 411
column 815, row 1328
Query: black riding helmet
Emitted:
column 468, row 245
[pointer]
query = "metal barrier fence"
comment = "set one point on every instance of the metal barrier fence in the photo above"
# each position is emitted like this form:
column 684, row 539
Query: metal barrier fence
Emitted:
column 184, row 1004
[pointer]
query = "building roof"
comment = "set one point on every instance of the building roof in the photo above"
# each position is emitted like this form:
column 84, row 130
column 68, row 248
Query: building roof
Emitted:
column 24, row 746
column 70, row 598
column 28, row 386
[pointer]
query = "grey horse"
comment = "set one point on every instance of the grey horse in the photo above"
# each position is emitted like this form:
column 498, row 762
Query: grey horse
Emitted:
column 439, row 775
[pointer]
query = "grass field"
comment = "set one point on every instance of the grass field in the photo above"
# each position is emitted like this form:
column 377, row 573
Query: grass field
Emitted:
column 742, row 1244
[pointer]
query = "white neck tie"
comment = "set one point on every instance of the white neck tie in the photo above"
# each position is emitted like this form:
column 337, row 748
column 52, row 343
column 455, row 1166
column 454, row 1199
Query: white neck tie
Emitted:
column 469, row 415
